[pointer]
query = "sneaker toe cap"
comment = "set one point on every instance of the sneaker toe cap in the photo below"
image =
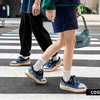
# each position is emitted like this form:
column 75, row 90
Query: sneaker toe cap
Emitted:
column 44, row 79
column 82, row 86
column 13, row 62
column 46, row 67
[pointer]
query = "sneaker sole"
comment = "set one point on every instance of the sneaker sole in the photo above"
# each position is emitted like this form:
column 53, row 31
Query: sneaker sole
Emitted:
column 28, row 63
column 48, row 70
column 28, row 74
column 72, row 89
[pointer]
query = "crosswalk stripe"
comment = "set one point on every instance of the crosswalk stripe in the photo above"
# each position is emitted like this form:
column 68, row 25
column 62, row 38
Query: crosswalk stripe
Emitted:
column 37, row 47
column 15, row 41
column 37, row 56
column 40, row 51
column 79, row 71
column 10, row 34
column 34, row 41
column 47, row 97
column 34, row 38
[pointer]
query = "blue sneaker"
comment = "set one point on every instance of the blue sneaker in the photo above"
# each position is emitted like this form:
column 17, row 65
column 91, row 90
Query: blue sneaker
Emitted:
column 52, row 65
column 37, row 76
column 20, row 61
column 73, row 85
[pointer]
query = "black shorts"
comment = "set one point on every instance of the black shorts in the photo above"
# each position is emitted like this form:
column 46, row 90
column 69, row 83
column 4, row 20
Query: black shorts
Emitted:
column 66, row 19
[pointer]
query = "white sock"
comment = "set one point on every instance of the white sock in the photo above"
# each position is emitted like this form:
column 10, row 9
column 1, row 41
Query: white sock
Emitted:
column 66, row 75
column 55, row 58
column 25, row 57
column 38, row 65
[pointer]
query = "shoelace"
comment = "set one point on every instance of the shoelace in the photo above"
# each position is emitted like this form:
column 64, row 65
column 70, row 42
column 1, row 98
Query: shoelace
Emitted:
column 74, row 81
column 51, row 61
column 19, row 59
column 40, row 73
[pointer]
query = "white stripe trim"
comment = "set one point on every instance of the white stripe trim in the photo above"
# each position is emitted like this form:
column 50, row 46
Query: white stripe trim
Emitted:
column 37, row 56
column 80, row 71
column 47, row 96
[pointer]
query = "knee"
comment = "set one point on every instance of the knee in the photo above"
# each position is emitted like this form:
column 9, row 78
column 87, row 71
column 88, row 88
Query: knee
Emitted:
column 60, row 44
column 71, row 42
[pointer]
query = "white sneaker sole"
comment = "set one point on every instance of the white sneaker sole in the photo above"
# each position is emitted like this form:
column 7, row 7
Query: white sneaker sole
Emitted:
column 72, row 89
column 21, row 64
column 51, row 70
column 28, row 74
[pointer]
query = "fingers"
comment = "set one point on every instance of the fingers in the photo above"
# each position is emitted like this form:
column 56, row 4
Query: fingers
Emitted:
column 52, row 18
column 78, row 12
column 35, row 10
column 51, row 14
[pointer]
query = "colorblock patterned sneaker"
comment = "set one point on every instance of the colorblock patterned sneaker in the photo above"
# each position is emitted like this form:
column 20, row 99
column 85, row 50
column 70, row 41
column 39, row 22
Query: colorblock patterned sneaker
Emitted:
column 37, row 76
column 20, row 61
column 52, row 65
column 73, row 85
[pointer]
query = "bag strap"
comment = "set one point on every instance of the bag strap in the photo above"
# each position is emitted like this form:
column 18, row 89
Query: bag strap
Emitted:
column 85, row 25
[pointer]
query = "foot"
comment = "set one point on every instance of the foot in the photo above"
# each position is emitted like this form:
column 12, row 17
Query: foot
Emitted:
column 52, row 65
column 20, row 61
column 73, row 85
column 37, row 76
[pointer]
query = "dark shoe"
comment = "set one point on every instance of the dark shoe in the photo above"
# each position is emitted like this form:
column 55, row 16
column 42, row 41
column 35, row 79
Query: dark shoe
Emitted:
column 20, row 61
column 73, row 85
column 52, row 65
column 37, row 76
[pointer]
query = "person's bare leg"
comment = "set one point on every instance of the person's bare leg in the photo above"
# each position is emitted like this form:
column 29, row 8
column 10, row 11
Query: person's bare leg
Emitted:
column 68, row 82
column 69, row 38
column 51, row 50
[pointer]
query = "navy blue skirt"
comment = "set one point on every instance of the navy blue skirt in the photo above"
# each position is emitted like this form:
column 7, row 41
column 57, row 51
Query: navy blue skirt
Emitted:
column 66, row 19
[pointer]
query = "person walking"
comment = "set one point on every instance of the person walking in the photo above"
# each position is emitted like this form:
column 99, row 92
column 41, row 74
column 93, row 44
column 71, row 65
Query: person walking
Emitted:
column 62, row 13
column 32, row 21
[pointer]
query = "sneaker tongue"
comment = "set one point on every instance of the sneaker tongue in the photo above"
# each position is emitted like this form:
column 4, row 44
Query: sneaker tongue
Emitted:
column 74, row 81
column 21, row 58
column 51, row 61
column 40, row 72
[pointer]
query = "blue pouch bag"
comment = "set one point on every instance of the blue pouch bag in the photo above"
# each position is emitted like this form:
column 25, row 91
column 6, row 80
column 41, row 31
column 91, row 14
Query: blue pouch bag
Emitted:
column 83, row 39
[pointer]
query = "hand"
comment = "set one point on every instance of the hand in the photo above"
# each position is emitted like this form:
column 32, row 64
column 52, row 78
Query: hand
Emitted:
column 78, row 12
column 51, row 14
column 36, row 9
